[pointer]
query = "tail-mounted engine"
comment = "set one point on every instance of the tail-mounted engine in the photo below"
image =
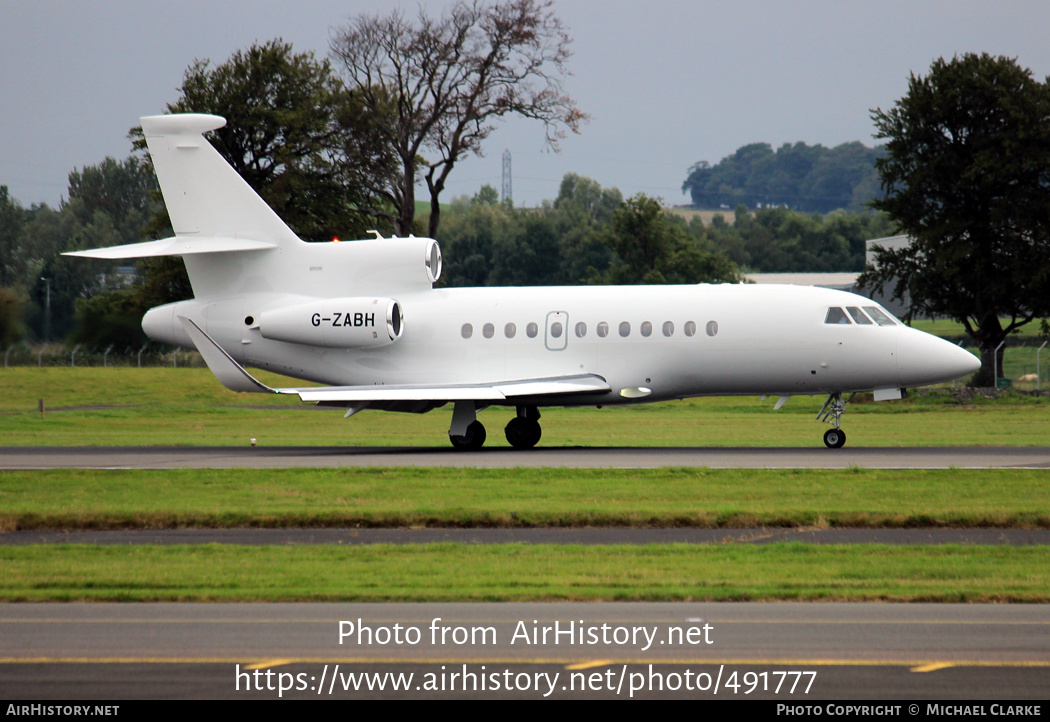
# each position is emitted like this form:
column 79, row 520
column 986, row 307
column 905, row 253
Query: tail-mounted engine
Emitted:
column 335, row 323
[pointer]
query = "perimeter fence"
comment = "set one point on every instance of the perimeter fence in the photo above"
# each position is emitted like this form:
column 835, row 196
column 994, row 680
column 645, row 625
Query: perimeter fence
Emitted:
column 1026, row 367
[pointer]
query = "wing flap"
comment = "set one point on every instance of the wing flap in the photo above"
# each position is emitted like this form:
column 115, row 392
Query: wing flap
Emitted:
column 499, row 391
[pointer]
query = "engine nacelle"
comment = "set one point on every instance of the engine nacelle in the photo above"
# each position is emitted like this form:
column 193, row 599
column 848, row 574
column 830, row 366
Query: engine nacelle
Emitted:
column 335, row 323
column 382, row 265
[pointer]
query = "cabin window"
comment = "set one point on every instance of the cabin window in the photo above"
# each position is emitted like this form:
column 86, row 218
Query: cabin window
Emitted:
column 467, row 330
column 488, row 330
column 603, row 329
column 712, row 328
column 881, row 317
column 668, row 329
column 556, row 329
column 531, row 330
column 509, row 330
column 690, row 328
column 581, row 329
column 836, row 315
column 647, row 329
column 625, row 329
column 858, row 316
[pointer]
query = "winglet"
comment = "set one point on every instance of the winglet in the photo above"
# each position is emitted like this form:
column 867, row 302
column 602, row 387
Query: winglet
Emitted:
column 230, row 373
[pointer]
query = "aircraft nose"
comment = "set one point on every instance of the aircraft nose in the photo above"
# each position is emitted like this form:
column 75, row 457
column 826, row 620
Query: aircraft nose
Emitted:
column 924, row 359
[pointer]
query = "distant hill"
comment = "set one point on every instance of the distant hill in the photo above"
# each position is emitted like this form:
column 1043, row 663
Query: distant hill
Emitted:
column 799, row 176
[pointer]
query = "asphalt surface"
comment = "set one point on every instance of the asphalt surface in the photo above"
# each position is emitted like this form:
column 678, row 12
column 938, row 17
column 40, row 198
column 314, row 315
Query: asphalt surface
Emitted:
column 822, row 651
column 781, row 651
column 223, row 457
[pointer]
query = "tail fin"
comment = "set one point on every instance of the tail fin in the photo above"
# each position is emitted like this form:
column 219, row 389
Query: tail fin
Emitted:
column 203, row 194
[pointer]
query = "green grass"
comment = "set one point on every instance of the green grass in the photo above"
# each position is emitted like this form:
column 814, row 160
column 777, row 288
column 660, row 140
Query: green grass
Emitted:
column 417, row 497
column 948, row 328
column 187, row 406
column 117, row 407
column 440, row 572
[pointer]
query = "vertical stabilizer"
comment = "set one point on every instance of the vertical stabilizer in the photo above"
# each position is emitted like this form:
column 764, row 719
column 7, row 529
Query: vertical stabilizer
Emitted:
column 203, row 194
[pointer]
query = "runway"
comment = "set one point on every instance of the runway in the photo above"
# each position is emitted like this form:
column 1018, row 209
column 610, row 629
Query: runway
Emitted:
column 250, row 651
column 829, row 651
column 275, row 457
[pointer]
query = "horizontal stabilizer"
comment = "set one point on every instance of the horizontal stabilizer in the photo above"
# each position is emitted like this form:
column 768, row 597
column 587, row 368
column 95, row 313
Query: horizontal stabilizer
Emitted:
column 173, row 247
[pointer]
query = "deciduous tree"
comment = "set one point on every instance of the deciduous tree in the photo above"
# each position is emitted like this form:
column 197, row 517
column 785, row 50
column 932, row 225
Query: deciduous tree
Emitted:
column 281, row 135
column 967, row 178
column 430, row 91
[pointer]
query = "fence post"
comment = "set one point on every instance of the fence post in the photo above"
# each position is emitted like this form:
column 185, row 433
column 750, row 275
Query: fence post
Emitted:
column 140, row 354
column 105, row 356
column 74, row 357
column 995, row 364
column 1038, row 368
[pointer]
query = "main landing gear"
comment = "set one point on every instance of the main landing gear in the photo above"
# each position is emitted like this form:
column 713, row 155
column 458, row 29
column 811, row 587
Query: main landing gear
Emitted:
column 472, row 440
column 831, row 413
column 468, row 434
column 523, row 431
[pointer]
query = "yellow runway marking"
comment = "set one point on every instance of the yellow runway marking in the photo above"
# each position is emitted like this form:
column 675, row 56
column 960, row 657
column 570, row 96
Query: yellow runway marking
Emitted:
column 269, row 663
column 590, row 665
column 933, row 667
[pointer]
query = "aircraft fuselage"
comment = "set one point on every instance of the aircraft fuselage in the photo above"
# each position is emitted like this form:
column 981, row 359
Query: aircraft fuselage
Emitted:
column 648, row 342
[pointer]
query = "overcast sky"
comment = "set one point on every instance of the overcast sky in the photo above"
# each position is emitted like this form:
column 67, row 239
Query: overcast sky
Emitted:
column 666, row 83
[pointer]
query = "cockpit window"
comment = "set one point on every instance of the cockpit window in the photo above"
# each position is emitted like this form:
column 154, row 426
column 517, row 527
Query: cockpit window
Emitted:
column 858, row 316
column 881, row 317
column 836, row 315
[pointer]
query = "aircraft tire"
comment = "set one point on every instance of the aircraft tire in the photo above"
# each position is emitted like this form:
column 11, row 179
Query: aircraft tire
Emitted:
column 834, row 438
column 523, row 433
column 473, row 440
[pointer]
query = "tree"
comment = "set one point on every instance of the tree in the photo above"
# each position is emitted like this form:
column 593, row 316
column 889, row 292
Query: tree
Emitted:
column 11, row 328
column 429, row 92
column 281, row 133
column 967, row 178
column 807, row 178
column 653, row 247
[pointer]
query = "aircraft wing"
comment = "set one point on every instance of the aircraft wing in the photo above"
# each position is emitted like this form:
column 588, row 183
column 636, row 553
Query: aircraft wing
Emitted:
column 233, row 376
column 496, row 391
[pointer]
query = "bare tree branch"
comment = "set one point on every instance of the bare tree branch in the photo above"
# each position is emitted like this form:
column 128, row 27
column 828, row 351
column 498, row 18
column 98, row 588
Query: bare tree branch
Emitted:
column 437, row 86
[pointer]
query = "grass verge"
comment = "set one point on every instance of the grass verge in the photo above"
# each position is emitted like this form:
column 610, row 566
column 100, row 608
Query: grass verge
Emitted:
column 407, row 497
column 446, row 572
column 188, row 407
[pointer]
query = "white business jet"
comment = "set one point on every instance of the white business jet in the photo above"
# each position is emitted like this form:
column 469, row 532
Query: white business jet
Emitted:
column 364, row 318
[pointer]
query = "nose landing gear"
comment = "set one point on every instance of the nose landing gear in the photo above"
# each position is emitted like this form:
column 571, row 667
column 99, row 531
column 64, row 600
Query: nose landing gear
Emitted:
column 831, row 413
column 834, row 438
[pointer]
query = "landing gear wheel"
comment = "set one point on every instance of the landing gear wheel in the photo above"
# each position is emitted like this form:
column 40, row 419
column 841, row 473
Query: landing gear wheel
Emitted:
column 523, row 433
column 472, row 440
column 834, row 438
